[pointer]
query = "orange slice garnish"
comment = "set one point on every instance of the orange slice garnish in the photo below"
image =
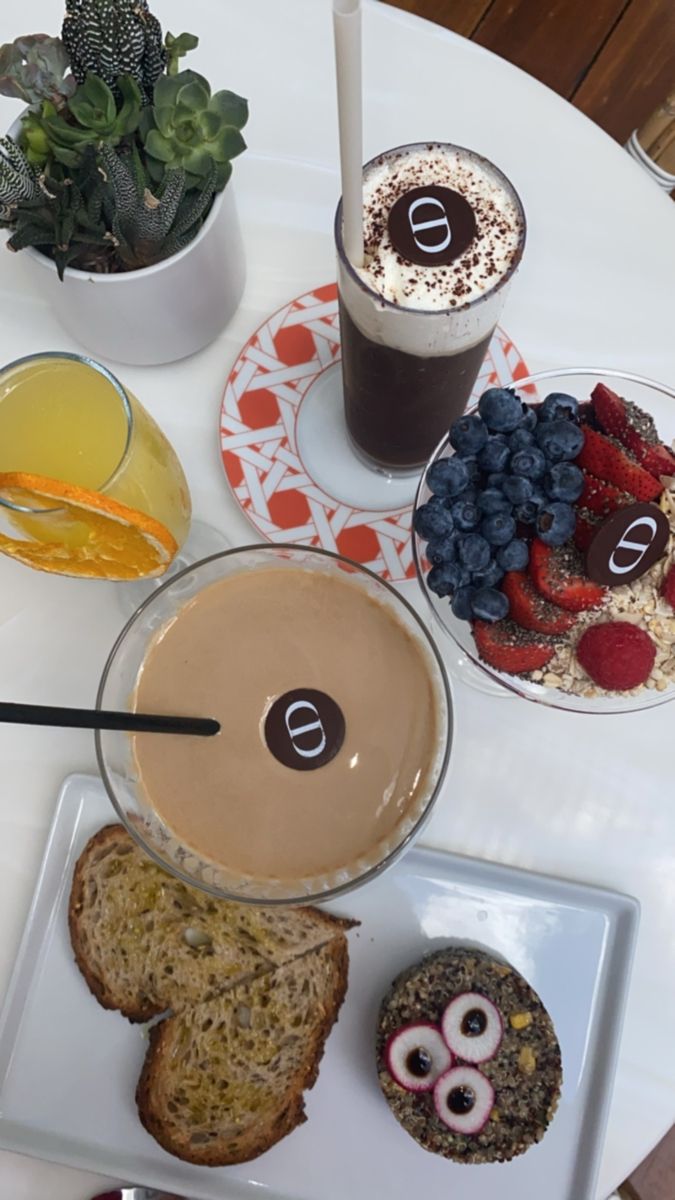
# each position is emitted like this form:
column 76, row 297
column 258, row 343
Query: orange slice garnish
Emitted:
column 89, row 535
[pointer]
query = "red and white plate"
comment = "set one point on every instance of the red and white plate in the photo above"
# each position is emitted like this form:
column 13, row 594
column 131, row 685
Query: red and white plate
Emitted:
column 284, row 444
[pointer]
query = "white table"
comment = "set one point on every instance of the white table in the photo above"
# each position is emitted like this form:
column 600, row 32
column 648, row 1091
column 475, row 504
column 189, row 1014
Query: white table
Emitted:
column 596, row 287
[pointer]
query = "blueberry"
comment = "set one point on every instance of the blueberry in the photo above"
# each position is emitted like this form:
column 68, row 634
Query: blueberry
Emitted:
column 526, row 512
column 461, row 603
column 498, row 529
column 489, row 577
column 517, row 488
column 555, row 523
column 564, row 482
column 474, row 471
column 468, row 435
column 474, row 552
column 521, row 439
column 538, row 496
column 448, row 476
column 501, row 409
column 492, row 501
column 489, row 604
column 530, row 463
column 529, row 421
column 466, row 515
column 496, row 479
column 432, row 520
column 560, row 440
column 445, row 579
column 442, row 549
column 558, row 406
column 495, row 454
column 514, row 556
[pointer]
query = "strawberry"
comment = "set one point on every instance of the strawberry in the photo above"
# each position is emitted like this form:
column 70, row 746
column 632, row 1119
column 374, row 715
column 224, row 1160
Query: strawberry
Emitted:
column 607, row 460
column 507, row 647
column 618, row 656
column 557, row 572
column 585, row 529
column 668, row 588
column 602, row 498
column 529, row 609
column 634, row 428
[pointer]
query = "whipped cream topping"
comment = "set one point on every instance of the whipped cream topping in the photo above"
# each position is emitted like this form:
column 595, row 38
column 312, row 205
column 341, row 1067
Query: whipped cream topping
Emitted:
column 483, row 264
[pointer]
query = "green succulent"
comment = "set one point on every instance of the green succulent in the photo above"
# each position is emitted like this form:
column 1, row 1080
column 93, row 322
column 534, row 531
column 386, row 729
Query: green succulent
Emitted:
column 112, row 38
column 177, row 48
column 33, row 68
column 148, row 226
column 92, row 117
column 190, row 129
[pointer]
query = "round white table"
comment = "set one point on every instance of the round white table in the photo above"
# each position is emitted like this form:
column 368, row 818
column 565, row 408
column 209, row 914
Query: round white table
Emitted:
column 586, row 798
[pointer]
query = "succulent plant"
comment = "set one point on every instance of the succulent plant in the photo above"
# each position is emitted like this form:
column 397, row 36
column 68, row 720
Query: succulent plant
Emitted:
column 19, row 182
column 149, row 226
column 112, row 38
column 177, row 48
column 188, row 128
column 33, row 68
column 91, row 117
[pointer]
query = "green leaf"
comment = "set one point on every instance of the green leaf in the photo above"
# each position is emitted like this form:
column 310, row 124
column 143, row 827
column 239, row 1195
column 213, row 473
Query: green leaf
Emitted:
column 209, row 125
column 183, row 43
column 222, row 175
column 227, row 145
column 163, row 120
column 69, row 158
column 194, row 97
column 129, row 114
column 92, row 98
column 159, row 147
column 233, row 108
column 197, row 162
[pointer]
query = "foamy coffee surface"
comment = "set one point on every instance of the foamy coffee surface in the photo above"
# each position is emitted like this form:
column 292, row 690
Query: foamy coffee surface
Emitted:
column 232, row 652
column 483, row 264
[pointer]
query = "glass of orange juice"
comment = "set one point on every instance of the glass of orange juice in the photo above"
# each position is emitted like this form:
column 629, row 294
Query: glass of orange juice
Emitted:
column 89, row 484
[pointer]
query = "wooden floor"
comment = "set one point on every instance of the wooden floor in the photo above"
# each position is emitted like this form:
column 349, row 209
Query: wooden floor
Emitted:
column 613, row 59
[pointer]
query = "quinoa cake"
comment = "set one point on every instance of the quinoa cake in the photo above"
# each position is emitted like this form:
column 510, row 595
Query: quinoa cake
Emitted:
column 467, row 1057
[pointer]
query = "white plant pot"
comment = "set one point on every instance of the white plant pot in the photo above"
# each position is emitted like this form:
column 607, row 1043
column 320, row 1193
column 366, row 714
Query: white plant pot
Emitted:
column 160, row 313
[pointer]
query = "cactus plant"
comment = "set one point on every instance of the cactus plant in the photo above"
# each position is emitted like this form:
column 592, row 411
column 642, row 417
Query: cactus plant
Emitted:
column 189, row 128
column 19, row 182
column 91, row 117
column 148, row 226
column 112, row 38
column 34, row 68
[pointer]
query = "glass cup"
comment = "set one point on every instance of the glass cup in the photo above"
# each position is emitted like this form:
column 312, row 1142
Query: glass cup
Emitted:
column 66, row 417
column 409, row 372
column 119, row 767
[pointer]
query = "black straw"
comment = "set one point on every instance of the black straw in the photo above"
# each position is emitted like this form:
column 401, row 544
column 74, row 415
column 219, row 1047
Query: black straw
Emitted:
column 88, row 718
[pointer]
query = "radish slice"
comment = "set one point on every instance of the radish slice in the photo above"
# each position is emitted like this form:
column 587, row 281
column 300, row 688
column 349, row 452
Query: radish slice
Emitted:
column 416, row 1055
column 472, row 1027
column 463, row 1099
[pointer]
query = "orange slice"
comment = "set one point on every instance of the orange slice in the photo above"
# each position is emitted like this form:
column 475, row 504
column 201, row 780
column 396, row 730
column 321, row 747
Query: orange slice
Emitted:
column 89, row 535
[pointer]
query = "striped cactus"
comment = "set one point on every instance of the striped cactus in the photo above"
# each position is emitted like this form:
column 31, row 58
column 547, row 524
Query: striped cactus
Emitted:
column 19, row 182
column 114, row 37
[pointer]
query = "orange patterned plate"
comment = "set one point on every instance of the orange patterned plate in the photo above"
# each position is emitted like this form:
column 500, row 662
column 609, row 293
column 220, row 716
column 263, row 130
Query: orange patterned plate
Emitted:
column 284, row 445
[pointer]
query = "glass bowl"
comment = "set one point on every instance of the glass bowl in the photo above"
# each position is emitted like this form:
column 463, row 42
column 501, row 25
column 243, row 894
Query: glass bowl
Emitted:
column 115, row 751
column 655, row 398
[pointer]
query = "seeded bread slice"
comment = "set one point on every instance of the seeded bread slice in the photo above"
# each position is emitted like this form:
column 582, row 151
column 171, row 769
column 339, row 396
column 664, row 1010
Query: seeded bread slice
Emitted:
column 146, row 942
column 224, row 1081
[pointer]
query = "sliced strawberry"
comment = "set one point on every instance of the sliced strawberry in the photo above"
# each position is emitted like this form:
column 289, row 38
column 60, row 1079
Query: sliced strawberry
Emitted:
column 607, row 460
column 602, row 498
column 585, row 529
column 558, row 573
column 507, row 647
column 668, row 588
column 527, row 607
column 634, row 428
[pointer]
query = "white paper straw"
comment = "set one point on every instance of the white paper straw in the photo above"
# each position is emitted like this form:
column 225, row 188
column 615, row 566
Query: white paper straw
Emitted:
column 347, row 30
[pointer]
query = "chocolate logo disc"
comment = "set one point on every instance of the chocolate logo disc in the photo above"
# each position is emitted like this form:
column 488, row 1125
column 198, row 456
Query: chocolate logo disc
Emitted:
column 304, row 729
column 431, row 226
column 627, row 544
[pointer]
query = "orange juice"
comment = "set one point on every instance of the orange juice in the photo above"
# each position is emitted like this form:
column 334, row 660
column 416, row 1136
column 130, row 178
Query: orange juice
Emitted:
column 69, row 419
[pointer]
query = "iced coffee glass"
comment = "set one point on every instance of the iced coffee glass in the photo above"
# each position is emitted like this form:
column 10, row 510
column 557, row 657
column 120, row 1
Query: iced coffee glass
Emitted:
column 444, row 232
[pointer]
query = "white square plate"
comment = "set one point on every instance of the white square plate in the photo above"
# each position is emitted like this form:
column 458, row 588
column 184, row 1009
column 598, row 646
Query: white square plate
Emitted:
column 68, row 1069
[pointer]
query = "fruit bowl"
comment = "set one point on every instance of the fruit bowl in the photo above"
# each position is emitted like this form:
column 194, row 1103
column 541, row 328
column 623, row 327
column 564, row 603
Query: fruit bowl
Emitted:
column 658, row 401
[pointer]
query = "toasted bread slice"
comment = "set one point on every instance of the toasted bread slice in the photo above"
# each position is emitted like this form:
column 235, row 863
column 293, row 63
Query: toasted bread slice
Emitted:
column 224, row 1081
column 146, row 942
